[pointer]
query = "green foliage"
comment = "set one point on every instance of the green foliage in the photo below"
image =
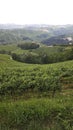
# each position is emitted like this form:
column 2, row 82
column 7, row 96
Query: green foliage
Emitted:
column 21, row 35
column 33, row 83
column 44, row 55
column 16, row 78
column 41, row 55
column 44, row 114
column 27, row 46
column 35, row 97
column 59, row 40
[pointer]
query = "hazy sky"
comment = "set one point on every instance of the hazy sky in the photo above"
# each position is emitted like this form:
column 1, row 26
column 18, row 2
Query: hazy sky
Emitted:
column 36, row 11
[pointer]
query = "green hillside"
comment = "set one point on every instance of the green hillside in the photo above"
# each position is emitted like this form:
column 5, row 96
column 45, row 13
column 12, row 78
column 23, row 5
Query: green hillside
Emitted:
column 35, row 96
column 24, row 35
column 47, row 34
column 36, row 53
column 18, row 78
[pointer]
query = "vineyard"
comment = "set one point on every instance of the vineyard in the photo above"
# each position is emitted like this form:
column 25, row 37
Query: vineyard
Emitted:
column 35, row 97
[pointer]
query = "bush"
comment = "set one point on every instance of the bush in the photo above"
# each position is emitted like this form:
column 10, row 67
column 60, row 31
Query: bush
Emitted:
column 27, row 46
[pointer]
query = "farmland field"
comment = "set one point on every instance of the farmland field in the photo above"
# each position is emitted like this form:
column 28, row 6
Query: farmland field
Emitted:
column 34, row 96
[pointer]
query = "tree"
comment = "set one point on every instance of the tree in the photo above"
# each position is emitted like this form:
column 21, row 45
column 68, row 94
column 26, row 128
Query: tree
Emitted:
column 28, row 46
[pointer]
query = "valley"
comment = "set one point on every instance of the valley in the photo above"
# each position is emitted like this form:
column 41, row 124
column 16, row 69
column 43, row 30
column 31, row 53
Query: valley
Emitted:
column 36, row 79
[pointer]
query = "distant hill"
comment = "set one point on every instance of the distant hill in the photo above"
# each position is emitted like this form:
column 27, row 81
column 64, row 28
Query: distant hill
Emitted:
column 47, row 34
column 58, row 40
column 10, row 26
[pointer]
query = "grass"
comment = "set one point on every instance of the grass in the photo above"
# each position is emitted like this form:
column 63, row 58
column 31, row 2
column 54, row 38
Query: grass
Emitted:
column 36, row 111
column 43, row 49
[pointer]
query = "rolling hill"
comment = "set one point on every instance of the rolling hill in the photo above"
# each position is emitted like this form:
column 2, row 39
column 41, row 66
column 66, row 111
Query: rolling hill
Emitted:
column 36, row 96
column 37, row 33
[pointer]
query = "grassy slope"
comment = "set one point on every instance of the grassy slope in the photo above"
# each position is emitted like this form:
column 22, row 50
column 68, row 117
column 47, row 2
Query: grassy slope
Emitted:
column 5, row 59
column 64, row 67
column 42, row 49
column 35, row 113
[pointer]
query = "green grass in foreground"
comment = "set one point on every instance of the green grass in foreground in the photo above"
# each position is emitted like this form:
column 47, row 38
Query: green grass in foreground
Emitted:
column 35, row 112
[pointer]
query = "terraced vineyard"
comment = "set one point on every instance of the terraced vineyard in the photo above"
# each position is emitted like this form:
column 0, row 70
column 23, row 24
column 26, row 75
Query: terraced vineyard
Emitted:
column 35, row 97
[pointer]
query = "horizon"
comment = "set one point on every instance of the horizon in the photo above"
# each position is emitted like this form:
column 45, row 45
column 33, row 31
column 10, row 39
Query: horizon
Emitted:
column 25, row 24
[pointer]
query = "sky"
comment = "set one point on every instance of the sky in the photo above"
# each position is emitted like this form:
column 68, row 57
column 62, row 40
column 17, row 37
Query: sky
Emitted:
column 55, row 12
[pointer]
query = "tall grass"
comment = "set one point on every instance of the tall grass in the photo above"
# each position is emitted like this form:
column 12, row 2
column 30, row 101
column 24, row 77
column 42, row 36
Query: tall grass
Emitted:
column 37, row 114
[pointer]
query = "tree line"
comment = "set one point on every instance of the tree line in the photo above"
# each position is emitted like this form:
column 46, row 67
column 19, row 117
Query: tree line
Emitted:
column 44, row 58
